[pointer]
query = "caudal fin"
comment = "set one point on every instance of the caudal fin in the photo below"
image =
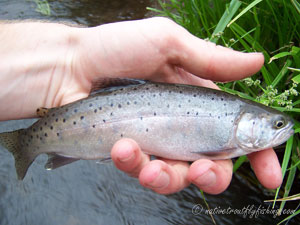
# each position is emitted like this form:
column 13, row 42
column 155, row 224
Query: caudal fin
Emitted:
column 23, row 159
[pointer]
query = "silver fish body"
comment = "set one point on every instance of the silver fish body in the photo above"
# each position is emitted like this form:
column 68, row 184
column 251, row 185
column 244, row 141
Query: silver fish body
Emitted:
column 173, row 121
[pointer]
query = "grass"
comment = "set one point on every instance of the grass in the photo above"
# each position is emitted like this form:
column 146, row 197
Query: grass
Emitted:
column 268, row 26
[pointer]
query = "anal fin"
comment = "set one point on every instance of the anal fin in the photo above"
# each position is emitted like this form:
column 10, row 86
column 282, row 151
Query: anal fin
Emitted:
column 55, row 161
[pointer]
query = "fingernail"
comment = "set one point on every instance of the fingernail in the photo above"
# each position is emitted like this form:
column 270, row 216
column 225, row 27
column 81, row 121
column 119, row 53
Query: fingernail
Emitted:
column 161, row 181
column 126, row 155
column 206, row 179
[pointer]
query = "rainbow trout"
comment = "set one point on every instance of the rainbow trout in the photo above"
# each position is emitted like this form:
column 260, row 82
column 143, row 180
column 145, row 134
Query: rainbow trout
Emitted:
column 173, row 121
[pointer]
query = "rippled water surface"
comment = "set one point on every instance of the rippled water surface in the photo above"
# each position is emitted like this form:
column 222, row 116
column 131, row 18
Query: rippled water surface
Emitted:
column 86, row 192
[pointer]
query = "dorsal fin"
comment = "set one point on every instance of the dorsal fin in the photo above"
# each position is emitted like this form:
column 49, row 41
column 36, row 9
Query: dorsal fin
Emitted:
column 107, row 83
column 41, row 112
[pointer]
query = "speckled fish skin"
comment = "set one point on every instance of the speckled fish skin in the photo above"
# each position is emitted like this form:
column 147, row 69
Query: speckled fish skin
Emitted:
column 178, row 122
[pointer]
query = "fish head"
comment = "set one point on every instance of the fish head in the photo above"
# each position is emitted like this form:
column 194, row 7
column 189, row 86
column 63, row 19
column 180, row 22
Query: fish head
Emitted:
column 262, row 128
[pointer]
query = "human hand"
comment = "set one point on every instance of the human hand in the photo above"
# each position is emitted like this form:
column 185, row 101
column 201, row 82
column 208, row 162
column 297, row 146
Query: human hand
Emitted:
column 61, row 63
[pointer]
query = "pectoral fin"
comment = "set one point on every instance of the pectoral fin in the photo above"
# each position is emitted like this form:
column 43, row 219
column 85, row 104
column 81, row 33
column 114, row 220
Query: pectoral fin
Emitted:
column 55, row 161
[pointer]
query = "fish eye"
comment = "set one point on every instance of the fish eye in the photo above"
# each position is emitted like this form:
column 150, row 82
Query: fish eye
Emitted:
column 280, row 123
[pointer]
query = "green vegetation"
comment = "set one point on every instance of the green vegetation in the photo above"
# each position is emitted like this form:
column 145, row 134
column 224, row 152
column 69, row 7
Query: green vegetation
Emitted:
column 42, row 6
column 271, row 27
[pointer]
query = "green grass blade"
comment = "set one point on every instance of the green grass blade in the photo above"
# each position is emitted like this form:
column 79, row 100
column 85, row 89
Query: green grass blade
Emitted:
column 289, row 217
column 297, row 5
column 228, row 14
column 251, row 5
column 285, row 162
column 239, row 162
column 282, row 73
column 288, row 186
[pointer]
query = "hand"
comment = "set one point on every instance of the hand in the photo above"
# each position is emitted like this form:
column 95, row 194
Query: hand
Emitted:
column 50, row 65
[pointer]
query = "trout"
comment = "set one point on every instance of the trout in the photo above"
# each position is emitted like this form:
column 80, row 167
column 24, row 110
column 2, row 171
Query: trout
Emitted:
column 173, row 121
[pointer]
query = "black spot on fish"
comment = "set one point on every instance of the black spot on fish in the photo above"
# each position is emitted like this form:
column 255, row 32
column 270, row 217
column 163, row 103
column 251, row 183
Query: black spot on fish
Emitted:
column 154, row 95
column 75, row 110
column 224, row 104
column 57, row 134
column 189, row 100
column 188, row 113
column 95, row 110
column 34, row 130
column 111, row 114
column 31, row 136
column 135, row 102
column 119, row 106
column 67, row 109
column 115, row 94
column 156, row 85
column 82, row 117
column 141, row 118
column 121, row 89
column 212, row 98
column 104, row 121
column 226, row 114
column 90, row 105
column 253, row 122
column 135, row 89
column 159, row 94
column 128, row 103
column 100, row 108
column 53, row 114
column 154, row 113
column 179, row 106
column 121, row 135
column 46, row 135
column 41, row 128
column 97, row 98
column 197, row 113
column 56, row 119
column 168, row 106
column 195, row 95
column 222, row 99
column 219, row 117
column 51, row 127
column 148, row 103
column 209, row 114
column 180, row 92
column 94, row 126
column 41, row 138
column 142, row 96
column 111, row 105
column 37, row 136
column 147, row 130
column 74, row 122
column 170, row 92
column 45, row 123
column 147, row 88
column 64, row 120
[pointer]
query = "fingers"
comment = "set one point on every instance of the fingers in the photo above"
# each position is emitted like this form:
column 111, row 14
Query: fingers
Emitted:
column 212, row 177
column 267, row 168
column 209, row 61
column 128, row 157
column 165, row 177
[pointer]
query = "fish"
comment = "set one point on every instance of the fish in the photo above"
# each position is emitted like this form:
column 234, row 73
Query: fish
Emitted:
column 173, row 121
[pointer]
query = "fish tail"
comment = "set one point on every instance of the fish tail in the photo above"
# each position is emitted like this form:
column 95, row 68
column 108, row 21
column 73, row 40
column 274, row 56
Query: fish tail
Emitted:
column 10, row 140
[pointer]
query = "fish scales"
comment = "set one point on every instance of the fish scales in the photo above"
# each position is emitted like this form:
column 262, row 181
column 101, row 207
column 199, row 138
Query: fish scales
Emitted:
column 149, row 114
column 173, row 121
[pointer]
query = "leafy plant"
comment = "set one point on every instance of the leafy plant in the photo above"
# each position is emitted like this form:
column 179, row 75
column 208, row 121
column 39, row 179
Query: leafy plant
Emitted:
column 270, row 27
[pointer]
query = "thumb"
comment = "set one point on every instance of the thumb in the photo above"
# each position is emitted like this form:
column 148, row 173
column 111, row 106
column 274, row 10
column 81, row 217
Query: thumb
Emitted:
column 217, row 63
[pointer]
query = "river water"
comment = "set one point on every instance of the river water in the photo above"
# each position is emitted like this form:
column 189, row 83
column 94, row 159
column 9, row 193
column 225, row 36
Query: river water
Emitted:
column 87, row 192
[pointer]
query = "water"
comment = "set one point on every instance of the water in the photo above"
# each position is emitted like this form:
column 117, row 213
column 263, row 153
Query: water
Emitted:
column 86, row 192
